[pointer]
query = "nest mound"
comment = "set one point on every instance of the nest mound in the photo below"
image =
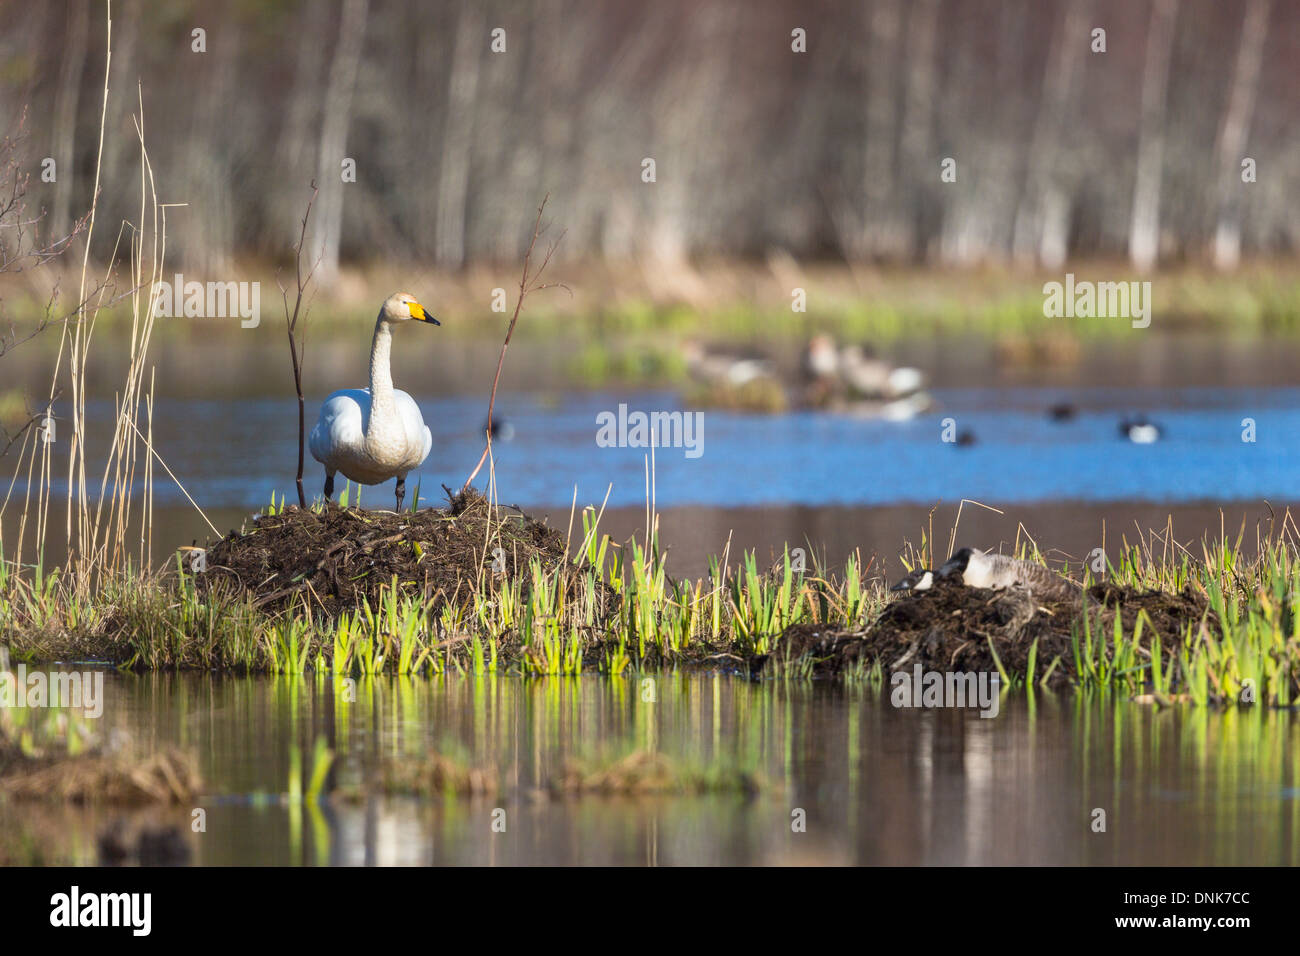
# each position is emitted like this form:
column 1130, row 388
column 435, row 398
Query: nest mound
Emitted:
column 955, row 628
column 337, row 558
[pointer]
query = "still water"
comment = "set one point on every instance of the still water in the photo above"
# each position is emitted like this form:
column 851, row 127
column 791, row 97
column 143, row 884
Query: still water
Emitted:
column 235, row 453
column 878, row 785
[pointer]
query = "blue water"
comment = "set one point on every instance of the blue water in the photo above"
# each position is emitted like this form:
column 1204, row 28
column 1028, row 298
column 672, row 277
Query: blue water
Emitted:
column 235, row 453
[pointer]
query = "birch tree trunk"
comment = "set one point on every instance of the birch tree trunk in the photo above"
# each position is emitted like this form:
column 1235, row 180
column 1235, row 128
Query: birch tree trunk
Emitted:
column 1144, row 227
column 1042, row 218
column 65, row 116
column 212, row 231
column 458, row 135
column 1231, row 144
column 880, row 227
column 293, row 150
column 334, row 136
column 916, row 153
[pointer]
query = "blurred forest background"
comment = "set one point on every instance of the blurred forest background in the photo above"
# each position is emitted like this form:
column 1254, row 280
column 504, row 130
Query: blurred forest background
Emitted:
column 833, row 154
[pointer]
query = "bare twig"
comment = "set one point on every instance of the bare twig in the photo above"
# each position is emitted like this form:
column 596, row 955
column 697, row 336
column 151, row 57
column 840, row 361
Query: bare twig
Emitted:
column 18, row 249
column 295, row 340
column 528, row 282
column 10, row 440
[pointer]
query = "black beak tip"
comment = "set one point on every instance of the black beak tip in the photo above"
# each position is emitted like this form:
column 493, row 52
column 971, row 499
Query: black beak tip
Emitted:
column 429, row 318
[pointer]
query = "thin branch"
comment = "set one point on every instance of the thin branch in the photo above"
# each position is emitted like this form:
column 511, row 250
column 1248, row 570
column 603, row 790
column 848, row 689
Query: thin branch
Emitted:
column 295, row 341
column 528, row 282
column 10, row 440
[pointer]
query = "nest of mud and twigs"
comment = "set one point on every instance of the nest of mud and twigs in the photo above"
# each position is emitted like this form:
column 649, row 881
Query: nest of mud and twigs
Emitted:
column 957, row 628
column 337, row 558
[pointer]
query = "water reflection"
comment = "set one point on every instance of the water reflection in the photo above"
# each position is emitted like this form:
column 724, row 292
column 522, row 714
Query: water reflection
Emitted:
column 877, row 785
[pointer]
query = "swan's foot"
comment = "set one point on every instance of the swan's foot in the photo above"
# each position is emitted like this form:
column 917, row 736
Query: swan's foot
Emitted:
column 401, row 493
column 329, row 488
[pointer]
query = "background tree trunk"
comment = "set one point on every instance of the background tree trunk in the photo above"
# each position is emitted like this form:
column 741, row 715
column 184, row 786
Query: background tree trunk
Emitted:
column 458, row 133
column 334, row 137
column 63, row 142
column 1231, row 144
column 1042, row 216
column 829, row 153
column 1144, row 228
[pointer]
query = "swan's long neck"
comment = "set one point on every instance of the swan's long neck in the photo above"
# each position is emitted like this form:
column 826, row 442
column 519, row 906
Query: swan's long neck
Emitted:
column 381, row 378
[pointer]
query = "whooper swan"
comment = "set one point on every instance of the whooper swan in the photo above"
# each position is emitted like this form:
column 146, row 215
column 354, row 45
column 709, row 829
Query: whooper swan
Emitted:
column 376, row 433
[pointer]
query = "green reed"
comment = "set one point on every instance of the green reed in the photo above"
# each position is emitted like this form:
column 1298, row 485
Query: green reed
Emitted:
column 614, row 607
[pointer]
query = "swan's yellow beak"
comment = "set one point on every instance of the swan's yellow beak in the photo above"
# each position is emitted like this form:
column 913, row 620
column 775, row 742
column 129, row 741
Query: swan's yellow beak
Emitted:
column 417, row 312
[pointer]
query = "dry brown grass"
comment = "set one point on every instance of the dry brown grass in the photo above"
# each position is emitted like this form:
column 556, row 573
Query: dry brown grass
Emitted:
column 168, row 776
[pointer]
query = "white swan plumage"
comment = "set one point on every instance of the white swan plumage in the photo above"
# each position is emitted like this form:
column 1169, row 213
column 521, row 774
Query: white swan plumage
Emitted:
column 376, row 433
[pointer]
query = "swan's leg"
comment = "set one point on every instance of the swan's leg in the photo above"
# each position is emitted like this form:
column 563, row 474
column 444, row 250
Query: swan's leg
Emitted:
column 401, row 492
column 329, row 486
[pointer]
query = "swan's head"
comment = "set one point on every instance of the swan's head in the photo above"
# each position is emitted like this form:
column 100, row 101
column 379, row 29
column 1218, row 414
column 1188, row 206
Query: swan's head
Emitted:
column 401, row 307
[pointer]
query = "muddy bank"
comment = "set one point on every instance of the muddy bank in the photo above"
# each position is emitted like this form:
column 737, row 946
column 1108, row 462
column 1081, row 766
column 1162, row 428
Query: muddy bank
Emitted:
column 956, row 628
column 337, row 558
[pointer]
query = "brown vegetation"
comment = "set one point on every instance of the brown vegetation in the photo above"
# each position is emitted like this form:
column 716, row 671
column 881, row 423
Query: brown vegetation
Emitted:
column 168, row 776
column 956, row 628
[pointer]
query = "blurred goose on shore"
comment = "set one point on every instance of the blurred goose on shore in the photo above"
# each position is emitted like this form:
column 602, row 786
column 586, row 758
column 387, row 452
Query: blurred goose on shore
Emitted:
column 376, row 433
column 821, row 359
column 975, row 569
column 870, row 377
column 854, row 382
column 821, row 372
column 723, row 368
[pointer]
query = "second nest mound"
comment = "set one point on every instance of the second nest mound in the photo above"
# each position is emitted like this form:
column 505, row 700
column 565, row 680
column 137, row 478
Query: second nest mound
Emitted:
column 338, row 558
column 955, row 628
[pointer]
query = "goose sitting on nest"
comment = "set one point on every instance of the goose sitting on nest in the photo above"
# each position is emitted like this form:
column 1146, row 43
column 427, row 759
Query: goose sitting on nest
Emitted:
column 376, row 433
column 975, row 569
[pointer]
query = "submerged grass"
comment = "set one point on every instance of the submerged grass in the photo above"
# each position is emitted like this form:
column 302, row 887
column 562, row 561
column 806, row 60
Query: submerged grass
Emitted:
column 51, row 754
column 449, row 772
